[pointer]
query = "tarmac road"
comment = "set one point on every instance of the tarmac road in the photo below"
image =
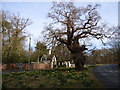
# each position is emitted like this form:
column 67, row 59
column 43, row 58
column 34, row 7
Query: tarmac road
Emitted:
column 109, row 75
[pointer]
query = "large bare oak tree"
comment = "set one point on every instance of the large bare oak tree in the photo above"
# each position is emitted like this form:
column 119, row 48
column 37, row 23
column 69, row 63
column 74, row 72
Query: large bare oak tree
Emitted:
column 70, row 24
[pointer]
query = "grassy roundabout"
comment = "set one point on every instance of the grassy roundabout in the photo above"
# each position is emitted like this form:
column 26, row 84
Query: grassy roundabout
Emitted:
column 51, row 78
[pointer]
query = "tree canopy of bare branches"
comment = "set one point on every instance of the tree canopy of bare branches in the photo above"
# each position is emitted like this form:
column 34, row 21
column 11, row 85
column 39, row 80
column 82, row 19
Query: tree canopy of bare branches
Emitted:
column 70, row 24
column 13, row 29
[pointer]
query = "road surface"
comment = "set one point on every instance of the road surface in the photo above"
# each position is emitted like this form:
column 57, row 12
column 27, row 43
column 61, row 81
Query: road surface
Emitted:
column 109, row 75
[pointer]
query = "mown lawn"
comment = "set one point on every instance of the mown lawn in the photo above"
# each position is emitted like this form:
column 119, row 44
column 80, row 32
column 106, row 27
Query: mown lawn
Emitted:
column 52, row 78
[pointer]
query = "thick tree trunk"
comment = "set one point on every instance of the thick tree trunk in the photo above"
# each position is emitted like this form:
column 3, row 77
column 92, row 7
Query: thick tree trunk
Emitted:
column 77, row 54
column 79, row 60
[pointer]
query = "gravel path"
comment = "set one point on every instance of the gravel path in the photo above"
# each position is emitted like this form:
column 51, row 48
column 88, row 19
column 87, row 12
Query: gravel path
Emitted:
column 109, row 75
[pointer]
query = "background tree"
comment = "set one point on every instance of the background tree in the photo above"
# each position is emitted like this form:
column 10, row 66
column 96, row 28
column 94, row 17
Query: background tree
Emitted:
column 101, row 56
column 114, row 43
column 70, row 25
column 61, row 52
column 13, row 41
column 40, row 50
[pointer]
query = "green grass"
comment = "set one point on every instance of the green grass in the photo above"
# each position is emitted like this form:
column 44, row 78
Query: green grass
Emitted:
column 51, row 78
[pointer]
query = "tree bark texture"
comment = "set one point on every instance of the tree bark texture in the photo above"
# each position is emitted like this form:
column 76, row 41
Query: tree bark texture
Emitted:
column 77, row 55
